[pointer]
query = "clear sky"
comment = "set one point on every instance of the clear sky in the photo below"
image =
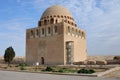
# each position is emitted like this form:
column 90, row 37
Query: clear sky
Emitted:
column 99, row 18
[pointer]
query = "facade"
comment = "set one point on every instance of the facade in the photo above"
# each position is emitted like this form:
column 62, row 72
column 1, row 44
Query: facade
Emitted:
column 57, row 40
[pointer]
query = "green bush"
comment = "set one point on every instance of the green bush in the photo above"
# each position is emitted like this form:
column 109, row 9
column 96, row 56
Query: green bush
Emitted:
column 92, row 71
column 82, row 71
column 86, row 71
column 48, row 69
column 62, row 70
column 23, row 64
column 22, row 68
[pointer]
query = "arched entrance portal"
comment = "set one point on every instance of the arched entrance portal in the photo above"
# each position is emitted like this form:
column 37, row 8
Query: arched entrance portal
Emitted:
column 42, row 60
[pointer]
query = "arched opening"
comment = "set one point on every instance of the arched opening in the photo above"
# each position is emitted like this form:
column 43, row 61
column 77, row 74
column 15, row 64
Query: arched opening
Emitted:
column 47, row 16
column 37, row 32
column 45, row 22
column 31, row 33
column 48, row 30
column 39, row 23
column 42, row 60
column 82, row 34
column 73, row 30
column 68, row 22
column 68, row 29
column 79, row 33
column 55, row 29
column 56, row 21
column 42, row 31
column 52, row 21
column 48, row 21
column 75, row 25
column 72, row 23
column 76, row 32
column 58, row 16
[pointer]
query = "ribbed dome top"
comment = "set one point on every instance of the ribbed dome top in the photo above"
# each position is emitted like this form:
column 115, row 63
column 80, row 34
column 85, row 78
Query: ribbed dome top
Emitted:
column 55, row 11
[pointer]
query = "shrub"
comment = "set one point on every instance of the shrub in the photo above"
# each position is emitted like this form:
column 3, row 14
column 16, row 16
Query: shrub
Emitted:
column 86, row 71
column 48, row 69
column 23, row 64
column 82, row 71
column 116, row 58
column 61, row 70
column 22, row 68
column 92, row 71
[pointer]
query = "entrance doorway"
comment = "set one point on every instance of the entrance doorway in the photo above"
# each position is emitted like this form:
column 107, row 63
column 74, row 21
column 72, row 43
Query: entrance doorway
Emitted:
column 42, row 60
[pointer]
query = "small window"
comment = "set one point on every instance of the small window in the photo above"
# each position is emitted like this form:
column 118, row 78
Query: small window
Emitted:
column 48, row 30
column 42, row 31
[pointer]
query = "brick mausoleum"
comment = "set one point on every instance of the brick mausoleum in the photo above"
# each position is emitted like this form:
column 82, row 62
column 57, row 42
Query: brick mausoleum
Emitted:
column 57, row 40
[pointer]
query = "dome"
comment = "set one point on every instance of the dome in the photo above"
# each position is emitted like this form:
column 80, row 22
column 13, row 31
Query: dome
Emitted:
column 56, row 10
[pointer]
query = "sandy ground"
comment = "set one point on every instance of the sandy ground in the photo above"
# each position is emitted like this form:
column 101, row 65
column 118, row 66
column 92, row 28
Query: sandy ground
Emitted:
column 115, row 74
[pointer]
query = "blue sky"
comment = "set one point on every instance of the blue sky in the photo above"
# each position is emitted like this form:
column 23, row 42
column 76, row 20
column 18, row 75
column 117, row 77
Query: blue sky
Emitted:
column 99, row 18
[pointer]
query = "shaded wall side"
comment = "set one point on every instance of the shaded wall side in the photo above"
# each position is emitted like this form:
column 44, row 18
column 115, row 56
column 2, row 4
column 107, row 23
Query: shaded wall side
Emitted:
column 79, row 52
